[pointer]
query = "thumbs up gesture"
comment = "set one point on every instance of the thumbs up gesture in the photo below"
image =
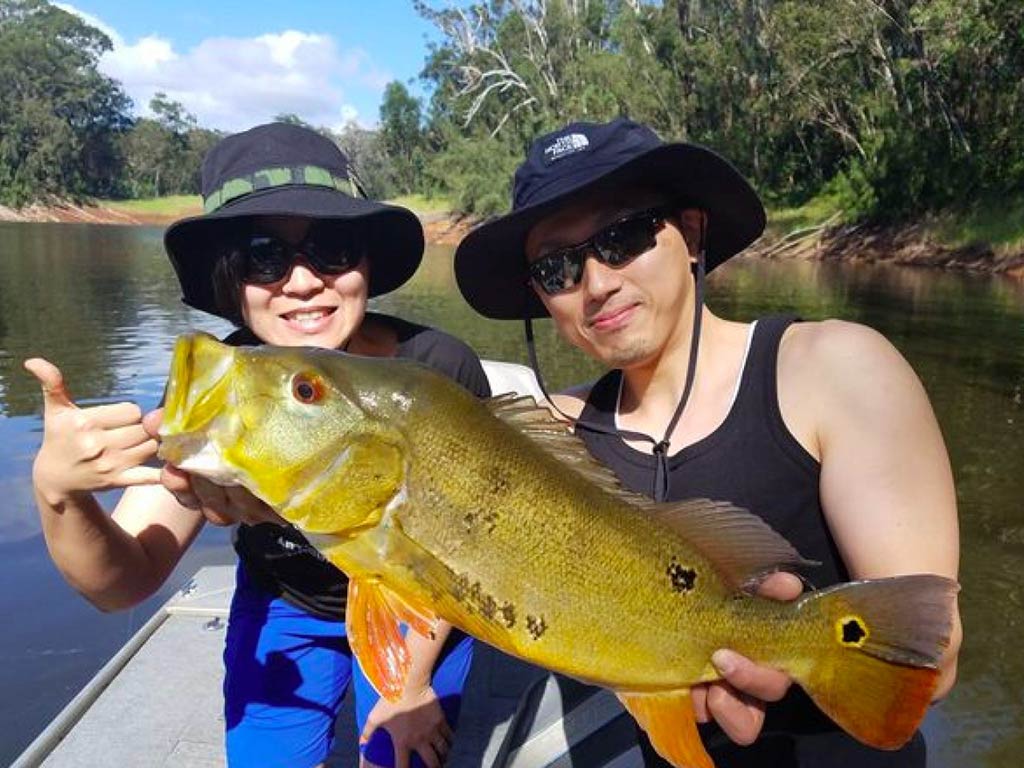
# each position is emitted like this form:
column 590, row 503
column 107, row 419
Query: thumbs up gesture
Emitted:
column 88, row 449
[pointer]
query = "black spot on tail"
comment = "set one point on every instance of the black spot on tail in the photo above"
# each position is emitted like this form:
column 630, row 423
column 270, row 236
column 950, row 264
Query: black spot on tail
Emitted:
column 853, row 631
column 536, row 626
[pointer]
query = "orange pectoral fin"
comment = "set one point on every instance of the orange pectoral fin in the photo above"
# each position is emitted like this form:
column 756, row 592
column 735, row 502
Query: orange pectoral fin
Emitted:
column 669, row 722
column 376, row 639
column 420, row 617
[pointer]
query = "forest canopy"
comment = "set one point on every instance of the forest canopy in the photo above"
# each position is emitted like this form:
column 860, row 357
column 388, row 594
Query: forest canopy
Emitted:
column 892, row 108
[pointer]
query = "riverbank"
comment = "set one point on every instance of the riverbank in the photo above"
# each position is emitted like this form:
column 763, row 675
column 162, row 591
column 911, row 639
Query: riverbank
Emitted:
column 155, row 212
column 914, row 245
column 439, row 225
column 980, row 242
column 988, row 239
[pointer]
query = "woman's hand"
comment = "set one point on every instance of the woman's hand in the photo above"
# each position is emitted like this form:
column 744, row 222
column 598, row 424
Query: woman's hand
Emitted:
column 87, row 449
column 416, row 723
column 738, row 701
column 220, row 505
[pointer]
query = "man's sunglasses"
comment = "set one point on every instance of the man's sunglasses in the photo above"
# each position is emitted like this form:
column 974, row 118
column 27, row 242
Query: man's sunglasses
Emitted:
column 330, row 250
column 615, row 245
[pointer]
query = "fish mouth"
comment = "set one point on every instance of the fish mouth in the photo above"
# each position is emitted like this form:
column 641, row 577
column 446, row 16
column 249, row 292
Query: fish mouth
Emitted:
column 198, row 390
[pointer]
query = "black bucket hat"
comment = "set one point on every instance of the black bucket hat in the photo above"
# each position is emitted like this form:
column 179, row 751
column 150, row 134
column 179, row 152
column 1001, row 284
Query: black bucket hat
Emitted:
column 490, row 262
column 286, row 170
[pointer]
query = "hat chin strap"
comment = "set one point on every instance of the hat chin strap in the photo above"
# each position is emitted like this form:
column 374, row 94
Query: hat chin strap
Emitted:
column 661, row 484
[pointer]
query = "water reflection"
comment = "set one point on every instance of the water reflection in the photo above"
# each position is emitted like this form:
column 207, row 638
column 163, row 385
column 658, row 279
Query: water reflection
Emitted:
column 102, row 303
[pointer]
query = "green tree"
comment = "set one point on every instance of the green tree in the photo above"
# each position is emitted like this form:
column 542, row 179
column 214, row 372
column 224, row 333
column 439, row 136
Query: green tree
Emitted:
column 172, row 115
column 164, row 153
column 59, row 116
column 894, row 107
column 374, row 166
column 291, row 119
column 402, row 135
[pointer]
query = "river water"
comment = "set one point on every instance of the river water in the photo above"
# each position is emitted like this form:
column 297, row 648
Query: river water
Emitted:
column 102, row 303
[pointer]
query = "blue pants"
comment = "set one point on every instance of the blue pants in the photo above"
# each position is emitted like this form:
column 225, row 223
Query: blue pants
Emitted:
column 286, row 672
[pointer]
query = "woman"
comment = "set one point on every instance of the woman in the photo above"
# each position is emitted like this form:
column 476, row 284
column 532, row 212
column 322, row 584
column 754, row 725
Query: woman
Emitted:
column 290, row 252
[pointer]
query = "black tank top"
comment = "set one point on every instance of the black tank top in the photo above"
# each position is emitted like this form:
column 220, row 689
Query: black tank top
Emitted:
column 753, row 461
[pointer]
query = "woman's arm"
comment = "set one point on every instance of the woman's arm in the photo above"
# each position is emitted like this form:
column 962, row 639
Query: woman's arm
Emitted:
column 416, row 722
column 114, row 561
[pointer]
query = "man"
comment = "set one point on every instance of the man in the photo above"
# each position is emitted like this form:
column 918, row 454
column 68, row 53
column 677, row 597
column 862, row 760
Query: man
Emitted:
column 820, row 428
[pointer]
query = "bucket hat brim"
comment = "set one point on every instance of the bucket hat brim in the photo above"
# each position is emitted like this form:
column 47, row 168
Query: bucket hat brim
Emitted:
column 394, row 236
column 490, row 262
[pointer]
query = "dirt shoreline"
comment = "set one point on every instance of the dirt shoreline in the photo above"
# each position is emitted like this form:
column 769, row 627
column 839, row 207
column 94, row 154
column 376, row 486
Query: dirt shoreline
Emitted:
column 906, row 245
column 439, row 228
column 910, row 245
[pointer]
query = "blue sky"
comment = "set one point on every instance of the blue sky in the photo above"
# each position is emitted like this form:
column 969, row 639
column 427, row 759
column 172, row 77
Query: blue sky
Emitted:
column 235, row 64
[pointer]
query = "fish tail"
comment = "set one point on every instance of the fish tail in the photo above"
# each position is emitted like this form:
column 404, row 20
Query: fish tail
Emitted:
column 874, row 666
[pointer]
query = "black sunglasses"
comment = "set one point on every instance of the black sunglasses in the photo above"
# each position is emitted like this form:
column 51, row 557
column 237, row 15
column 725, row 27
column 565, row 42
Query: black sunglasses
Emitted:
column 328, row 249
column 615, row 245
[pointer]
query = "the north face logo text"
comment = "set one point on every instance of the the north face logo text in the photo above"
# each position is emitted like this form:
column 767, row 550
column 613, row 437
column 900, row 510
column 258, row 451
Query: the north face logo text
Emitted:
column 564, row 146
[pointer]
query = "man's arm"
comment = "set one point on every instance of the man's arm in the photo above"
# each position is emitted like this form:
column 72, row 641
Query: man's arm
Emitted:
column 886, row 483
column 886, row 488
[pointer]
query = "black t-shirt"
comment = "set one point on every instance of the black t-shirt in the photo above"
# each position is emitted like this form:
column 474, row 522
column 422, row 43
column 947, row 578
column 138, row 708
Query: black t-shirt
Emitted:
column 278, row 559
column 753, row 461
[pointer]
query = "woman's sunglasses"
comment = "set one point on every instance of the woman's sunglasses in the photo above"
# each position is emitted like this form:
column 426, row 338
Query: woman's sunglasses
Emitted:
column 330, row 250
column 615, row 245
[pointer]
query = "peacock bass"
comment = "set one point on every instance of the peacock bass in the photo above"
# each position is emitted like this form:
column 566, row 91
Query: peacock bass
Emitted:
column 493, row 517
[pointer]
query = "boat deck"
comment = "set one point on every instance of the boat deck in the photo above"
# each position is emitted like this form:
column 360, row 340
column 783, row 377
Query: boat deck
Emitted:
column 158, row 703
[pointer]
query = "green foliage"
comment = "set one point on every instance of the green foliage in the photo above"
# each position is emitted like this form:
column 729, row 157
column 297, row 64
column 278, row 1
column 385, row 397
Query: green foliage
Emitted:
column 422, row 204
column 887, row 109
column 890, row 108
column 375, row 167
column 824, row 207
column 999, row 222
column 401, row 135
column 163, row 154
column 65, row 131
column 475, row 174
column 290, row 118
column 59, row 117
column 853, row 190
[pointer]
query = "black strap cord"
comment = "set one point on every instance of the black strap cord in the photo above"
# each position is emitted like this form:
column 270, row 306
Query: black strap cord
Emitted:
column 660, row 488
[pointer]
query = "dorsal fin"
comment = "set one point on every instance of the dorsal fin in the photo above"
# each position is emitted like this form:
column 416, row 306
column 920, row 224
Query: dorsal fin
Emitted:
column 741, row 545
column 556, row 437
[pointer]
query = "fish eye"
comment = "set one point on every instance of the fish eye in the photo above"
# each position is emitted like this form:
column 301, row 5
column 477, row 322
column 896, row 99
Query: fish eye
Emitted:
column 307, row 388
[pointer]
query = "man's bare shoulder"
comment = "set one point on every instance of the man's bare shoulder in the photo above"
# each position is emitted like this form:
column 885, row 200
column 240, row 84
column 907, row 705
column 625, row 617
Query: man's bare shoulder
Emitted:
column 832, row 372
column 835, row 350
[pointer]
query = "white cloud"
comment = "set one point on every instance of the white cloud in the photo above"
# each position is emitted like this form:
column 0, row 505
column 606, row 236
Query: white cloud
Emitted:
column 233, row 83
